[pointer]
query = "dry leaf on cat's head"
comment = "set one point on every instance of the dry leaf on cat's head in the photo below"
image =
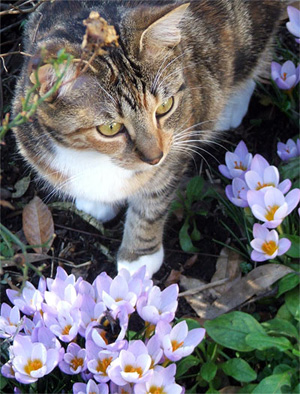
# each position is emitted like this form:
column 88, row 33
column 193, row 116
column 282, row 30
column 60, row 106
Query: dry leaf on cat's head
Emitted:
column 98, row 34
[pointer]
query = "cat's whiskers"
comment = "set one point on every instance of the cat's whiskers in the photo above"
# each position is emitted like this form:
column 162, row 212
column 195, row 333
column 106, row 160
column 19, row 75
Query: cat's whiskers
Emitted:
column 174, row 72
column 159, row 72
column 114, row 101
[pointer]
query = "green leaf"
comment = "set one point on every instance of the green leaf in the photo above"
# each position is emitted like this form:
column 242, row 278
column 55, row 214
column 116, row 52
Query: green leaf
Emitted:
column 281, row 368
column 282, row 327
column 296, row 352
column 262, row 342
column 291, row 169
column 284, row 313
column 294, row 250
column 296, row 390
column 185, row 364
column 230, row 330
column 185, row 239
column 292, row 302
column 208, row 371
column 273, row 384
column 194, row 189
column 287, row 283
column 248, row 388
column 196, row 235
column 239, row 369
column 3, row 381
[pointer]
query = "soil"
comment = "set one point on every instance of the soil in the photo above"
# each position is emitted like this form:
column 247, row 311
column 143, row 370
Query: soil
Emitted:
column 78, row 242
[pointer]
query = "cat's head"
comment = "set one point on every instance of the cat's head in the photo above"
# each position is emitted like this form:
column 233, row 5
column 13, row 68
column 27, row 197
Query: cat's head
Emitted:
column 131, row 101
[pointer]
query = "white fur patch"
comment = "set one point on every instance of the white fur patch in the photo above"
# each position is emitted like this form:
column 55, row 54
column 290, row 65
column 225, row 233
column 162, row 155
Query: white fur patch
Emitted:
column 153, row 262
column 236, row 107
column 100, row 211
column 92, row 176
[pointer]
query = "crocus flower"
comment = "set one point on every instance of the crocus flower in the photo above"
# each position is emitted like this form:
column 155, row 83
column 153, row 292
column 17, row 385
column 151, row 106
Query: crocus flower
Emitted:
column 288, row 150
column 266, row 244
column 115, row 389
column 65, row 324
column 154, row 350
column 158, row 305
column 293, row 25
column 237, row 162
column 272, row 207
column 28, row 301
column 90, row 387
column 10, row 321
column 286, row 76
column 162, row 381
column 237, row 192
column 74, row 360
column 99, row 361
column 178, row 342
column 132, row 365
column 32, row 361
column 119, row 295
column 90, row 312
column 262, row 176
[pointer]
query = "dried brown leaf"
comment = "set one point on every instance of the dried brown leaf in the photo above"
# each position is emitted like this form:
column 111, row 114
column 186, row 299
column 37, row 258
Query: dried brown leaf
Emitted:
column 38, row 225
column 190, row 261
column 7, row 204
column 230, row 389
column 174, row 277
column 256, row 282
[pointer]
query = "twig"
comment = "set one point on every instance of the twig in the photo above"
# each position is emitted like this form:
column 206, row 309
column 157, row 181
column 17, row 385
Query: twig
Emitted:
column 204, row 287
column 15, row 53
column 10, row 26
column 17, row 10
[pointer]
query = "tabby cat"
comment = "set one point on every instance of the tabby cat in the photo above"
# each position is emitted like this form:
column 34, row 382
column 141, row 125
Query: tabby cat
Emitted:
column 122, row 131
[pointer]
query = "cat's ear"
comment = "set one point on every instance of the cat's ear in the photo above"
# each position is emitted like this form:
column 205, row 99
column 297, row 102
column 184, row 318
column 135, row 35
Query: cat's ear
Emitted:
column 163, row 33
column 47, row 77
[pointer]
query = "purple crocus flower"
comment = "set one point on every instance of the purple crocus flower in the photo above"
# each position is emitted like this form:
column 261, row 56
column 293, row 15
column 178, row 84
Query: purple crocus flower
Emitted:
column 178, row 342
column 10, row 321
column 115, row 389
column 90, row 387
column 266, row 244
column 237, row 162
column 262, row 176
column 32, row 361
column 74, row 360
column 286, row 76
column 272, row 207
column 288, row 150
column 7, row 370
column 132, row 365
column 119, row 295
column 162, row 381
column 293, row 25
column 158, row 305
column 100, row 361
column 28, row 301
column 154, row 350
column 237, row 192
column 90, row 312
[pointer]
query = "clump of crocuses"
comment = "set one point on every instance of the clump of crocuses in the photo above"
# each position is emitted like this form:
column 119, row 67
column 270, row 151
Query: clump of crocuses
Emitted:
column 287, row 75
column 82, row 329
column 256, row 185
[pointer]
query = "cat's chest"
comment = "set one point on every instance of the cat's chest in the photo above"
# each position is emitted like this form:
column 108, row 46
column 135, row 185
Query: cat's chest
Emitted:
column 91, row 175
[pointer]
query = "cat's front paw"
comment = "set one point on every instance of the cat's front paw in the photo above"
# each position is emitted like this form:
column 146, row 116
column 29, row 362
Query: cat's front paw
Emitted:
column 100, row 211
column 153, row 262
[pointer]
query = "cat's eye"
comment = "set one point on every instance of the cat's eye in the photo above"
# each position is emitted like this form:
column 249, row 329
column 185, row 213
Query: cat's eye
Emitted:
column 110, row 129
column 165, row 107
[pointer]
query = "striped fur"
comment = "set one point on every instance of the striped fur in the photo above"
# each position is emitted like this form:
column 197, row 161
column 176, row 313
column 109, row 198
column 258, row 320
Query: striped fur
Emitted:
column 204, row 54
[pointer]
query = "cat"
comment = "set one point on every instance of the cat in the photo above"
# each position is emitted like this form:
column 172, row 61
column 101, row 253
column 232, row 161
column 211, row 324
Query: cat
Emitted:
column 123, row 131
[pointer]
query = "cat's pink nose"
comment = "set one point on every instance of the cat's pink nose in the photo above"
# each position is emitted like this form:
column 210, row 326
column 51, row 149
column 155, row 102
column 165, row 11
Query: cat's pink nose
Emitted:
column 150, row 160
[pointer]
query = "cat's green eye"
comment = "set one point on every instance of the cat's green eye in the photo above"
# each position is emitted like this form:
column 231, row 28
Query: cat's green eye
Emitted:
column 165, row 107
column 110, row 129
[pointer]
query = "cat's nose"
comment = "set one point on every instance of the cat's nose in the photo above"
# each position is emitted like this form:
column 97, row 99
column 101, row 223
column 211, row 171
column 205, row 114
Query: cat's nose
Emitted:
column 152, row 160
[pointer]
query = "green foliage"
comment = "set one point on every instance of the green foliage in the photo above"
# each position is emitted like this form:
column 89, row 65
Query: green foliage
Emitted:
column 190, row 204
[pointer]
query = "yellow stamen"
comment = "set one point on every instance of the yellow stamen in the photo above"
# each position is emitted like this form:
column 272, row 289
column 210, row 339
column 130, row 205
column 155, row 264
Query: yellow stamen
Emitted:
column 271, row 212
column 260, row 186
column 33, row 365
column 239, row 166
column 269, row 247
column 284, row 76
column 76, row 362
column 66, row 330
column 176, row 345
column 129, row 368
column 156, row 390
column 103, row 365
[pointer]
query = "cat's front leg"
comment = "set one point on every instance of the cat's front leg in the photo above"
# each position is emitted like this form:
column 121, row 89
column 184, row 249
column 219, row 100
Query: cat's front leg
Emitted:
column 101, row 211
column 143, row 233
